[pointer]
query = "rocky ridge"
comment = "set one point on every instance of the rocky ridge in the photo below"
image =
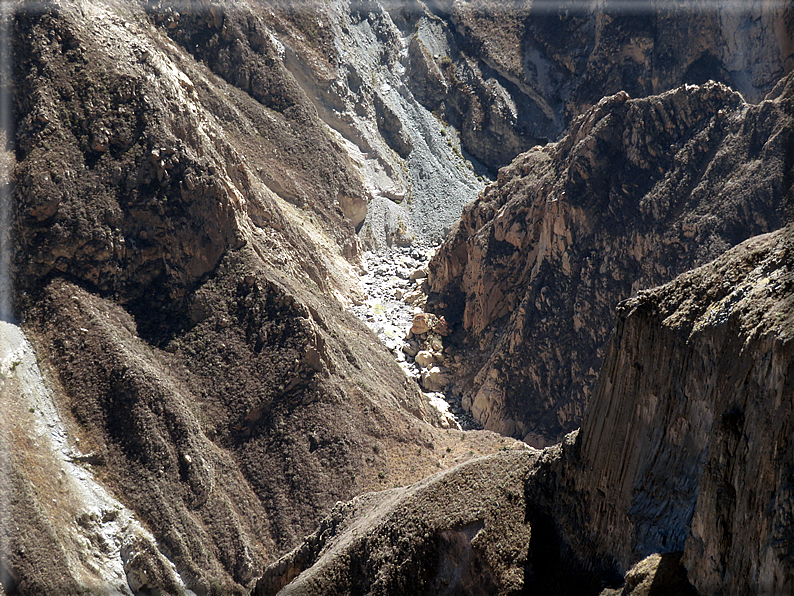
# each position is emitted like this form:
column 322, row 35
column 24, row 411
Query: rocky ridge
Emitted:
column 637, row 192
column 510, row 76
column 694, row 461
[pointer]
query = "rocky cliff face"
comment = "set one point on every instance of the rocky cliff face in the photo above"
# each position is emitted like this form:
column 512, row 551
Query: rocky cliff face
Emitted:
column 510, row 77
column 695, row 391
column 684, row 447
column 192, row 183
column 637, row 192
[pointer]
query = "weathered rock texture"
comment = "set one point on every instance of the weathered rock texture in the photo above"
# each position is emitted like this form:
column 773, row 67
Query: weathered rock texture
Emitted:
column 511, row 75
column 639, row 191
column 458, row 532
column 185, row 244
column 188, row 180
column 686, row 444
column 685, row 447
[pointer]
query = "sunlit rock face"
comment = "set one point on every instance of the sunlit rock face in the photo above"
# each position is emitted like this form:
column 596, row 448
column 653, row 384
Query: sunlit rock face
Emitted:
column 637, row 192
column 184, row 224
column 512, row 75
column 684, row 446
column 193, row 184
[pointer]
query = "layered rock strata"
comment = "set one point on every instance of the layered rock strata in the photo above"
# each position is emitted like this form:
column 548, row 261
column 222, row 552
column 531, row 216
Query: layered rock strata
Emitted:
column 188, row 180
column 637, row 192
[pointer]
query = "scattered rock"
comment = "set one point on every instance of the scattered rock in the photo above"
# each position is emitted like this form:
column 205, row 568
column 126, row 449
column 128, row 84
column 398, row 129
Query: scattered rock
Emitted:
column 436, row 378
column 420, row 324
column 418, row 274
column 410, row 347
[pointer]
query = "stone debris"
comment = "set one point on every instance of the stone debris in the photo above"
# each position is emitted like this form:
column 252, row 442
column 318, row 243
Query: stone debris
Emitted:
column 421, row 324
column 393, row 309
column 420, row 273
column 436, row 378
column 424, row 359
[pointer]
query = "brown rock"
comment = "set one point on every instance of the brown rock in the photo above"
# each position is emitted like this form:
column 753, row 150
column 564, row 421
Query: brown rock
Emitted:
column 460, row 531
column 421, row 324
column 685, row 442
column 689, row 424
column 540, row 260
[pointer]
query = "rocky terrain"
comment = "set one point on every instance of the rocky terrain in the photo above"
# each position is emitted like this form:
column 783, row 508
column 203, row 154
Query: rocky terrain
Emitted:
column 512, row 75
column 677, row 483
column 204, row 201
column 637, row 192
column 185, row 253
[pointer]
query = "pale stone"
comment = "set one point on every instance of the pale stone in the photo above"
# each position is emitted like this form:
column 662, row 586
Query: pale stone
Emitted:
column 424, row 359
column 435, row 378
column 420, row 273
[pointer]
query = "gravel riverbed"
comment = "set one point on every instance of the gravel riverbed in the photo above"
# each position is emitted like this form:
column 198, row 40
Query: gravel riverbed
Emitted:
column 395, row 285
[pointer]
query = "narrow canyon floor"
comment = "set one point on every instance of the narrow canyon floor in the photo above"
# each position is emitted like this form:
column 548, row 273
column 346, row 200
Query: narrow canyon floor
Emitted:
column 394, row 282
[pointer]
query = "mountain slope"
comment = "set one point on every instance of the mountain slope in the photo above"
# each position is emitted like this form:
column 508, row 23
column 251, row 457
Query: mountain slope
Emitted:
column 685, row 447
column 192, row 186
column 637, row 192
column 184, row 252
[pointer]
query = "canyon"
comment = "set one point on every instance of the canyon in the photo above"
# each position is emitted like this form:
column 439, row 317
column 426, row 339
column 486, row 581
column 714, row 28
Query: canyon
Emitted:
column 203, row 195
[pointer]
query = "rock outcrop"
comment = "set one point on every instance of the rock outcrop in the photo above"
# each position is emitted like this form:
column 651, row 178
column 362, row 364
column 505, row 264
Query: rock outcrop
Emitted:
column 190, row 183
column 637, row 192
column 512, row 76
column 458, row 532
column 685, row 444
column 677, row 483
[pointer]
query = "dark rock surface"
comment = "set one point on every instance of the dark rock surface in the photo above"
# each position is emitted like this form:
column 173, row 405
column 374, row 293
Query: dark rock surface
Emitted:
column 458, row 532
column 637, row 192
column 696, row 390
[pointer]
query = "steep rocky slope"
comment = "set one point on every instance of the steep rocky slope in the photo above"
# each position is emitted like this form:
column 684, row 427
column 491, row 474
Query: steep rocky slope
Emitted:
column 696, row 390
column 192, row 183
column 185, row 246
column 637, row 192
column 685, row 447
column 458, row 532
column 511, row 75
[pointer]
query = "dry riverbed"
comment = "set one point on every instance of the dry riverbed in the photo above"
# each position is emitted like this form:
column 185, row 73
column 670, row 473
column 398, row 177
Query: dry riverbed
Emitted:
column 394, row 282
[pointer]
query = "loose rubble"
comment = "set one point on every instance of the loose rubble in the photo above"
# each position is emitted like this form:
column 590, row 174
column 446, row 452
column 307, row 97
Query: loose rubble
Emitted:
column 395, row 283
